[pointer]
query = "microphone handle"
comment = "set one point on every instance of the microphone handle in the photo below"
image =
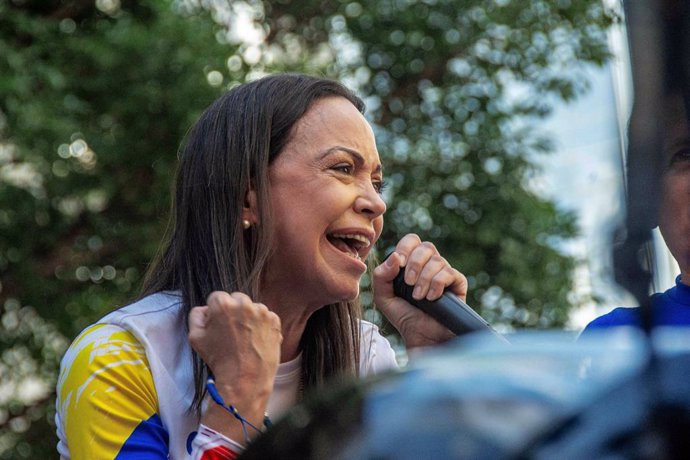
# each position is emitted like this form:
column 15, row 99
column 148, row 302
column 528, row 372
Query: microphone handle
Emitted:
column 448, row 309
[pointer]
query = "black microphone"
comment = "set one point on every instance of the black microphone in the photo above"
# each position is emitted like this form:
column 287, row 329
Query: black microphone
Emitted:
column 449, row 309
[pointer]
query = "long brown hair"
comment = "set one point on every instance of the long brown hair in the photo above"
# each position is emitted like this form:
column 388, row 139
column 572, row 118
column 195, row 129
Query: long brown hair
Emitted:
column 206, row 248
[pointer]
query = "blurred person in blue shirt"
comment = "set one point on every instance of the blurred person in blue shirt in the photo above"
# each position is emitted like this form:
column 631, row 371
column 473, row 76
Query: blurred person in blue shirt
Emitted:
column 672, row 307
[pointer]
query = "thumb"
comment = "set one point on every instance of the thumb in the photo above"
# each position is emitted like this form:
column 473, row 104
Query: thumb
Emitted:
column 198, row 317
column 390, row 267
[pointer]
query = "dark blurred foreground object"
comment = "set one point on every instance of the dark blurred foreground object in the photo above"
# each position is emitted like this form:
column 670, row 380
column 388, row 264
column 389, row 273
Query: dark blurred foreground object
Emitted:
column 542, row 396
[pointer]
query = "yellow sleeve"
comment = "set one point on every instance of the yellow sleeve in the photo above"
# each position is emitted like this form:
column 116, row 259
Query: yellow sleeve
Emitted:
column 107, row 402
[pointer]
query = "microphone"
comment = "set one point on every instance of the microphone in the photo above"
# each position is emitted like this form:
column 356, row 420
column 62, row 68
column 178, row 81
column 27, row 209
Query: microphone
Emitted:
column 449, row 309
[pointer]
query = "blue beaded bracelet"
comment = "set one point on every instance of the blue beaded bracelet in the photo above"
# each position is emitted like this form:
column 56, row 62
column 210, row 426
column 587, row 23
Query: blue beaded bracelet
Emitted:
column 218, row 399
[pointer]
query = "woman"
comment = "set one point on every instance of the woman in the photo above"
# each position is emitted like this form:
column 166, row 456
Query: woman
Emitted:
column 277, row 206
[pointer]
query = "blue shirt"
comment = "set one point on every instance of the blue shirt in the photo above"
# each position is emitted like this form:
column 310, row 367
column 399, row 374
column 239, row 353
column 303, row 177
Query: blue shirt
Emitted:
column 671, row 308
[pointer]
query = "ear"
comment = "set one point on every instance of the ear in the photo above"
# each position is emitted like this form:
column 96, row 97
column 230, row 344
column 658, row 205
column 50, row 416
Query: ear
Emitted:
column 250, row 212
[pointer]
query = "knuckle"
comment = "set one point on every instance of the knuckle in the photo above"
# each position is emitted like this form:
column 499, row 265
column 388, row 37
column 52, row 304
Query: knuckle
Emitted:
column 410, row 240
column 428, row 245
column 426, row 276
column 413, row 237
column 266, row 314
column 194, row 339
column 217, row 298
column 241, row 299
column 275, row 319
column 442, row 260
column 461, row 277
column 441, row 276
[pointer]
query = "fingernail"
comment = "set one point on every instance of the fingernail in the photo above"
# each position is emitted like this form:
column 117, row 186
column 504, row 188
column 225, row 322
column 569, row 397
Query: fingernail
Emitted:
column 417, row 292
column 389, row 262
column 402, row 260
column 411, row 275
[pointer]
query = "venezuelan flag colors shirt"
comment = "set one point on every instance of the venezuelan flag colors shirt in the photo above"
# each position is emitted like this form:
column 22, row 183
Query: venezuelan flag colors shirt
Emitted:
column 126, row 386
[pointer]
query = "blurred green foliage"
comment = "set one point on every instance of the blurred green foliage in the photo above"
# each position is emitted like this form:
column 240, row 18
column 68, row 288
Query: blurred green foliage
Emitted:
column 95, row 98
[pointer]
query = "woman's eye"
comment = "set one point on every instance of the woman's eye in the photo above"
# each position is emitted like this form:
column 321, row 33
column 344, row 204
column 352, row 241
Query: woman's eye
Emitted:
column 344, row 168
column 380, row 186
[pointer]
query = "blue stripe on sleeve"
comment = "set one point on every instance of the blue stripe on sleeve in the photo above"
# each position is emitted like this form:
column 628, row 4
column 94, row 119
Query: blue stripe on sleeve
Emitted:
column 148, row 441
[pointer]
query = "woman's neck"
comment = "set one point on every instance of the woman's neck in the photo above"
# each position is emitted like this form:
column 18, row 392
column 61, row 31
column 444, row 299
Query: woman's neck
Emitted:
column 290, row 346
column 293, row 320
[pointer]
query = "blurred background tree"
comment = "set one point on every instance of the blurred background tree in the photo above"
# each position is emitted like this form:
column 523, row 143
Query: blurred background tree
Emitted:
column 95, row 97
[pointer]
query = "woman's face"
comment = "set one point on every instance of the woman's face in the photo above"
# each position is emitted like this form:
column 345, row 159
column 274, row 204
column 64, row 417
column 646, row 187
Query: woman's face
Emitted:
column 325, row 196
column 674, row 215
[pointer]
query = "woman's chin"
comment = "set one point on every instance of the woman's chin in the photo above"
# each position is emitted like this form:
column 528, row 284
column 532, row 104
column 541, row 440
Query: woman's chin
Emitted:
column 344, row 294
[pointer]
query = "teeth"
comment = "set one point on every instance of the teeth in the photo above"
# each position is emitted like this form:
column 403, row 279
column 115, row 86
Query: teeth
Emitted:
column 353, row 236
column 354, row 243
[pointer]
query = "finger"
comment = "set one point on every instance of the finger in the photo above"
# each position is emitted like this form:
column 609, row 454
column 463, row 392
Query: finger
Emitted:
column 275, row 325
column 198, row 316
column 224, row 304
column 441, row 280
column 459, row 285
column 268, row 316
column 448, row 279
column 428, row 272
column 242, row 299
column 197, row 320
column 406, row 245
column 418, row 259
column 271, row 317
column 389, row 269
column 218, row 299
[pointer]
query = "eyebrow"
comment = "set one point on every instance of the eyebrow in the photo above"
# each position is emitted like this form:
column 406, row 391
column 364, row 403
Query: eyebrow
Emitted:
column 354, row 153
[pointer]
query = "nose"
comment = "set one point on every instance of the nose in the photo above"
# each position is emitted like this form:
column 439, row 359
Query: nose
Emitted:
column 370, row 202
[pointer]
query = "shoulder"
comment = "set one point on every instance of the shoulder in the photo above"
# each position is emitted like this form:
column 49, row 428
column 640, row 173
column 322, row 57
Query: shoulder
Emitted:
column 127, row 345
column 105, row 392
column 367, row 327
column 102, row 339
column 620, row 316
column 376, row 353
column 370, row 334
column 99, row 350
column 153, row 308
column 157, row 321
column 133, row 365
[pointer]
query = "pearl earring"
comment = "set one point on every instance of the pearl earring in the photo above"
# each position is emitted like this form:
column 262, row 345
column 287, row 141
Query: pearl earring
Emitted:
column 246, row 224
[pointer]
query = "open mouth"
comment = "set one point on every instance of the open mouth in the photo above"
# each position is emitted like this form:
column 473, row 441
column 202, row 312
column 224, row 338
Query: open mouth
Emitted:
column 352, row 244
